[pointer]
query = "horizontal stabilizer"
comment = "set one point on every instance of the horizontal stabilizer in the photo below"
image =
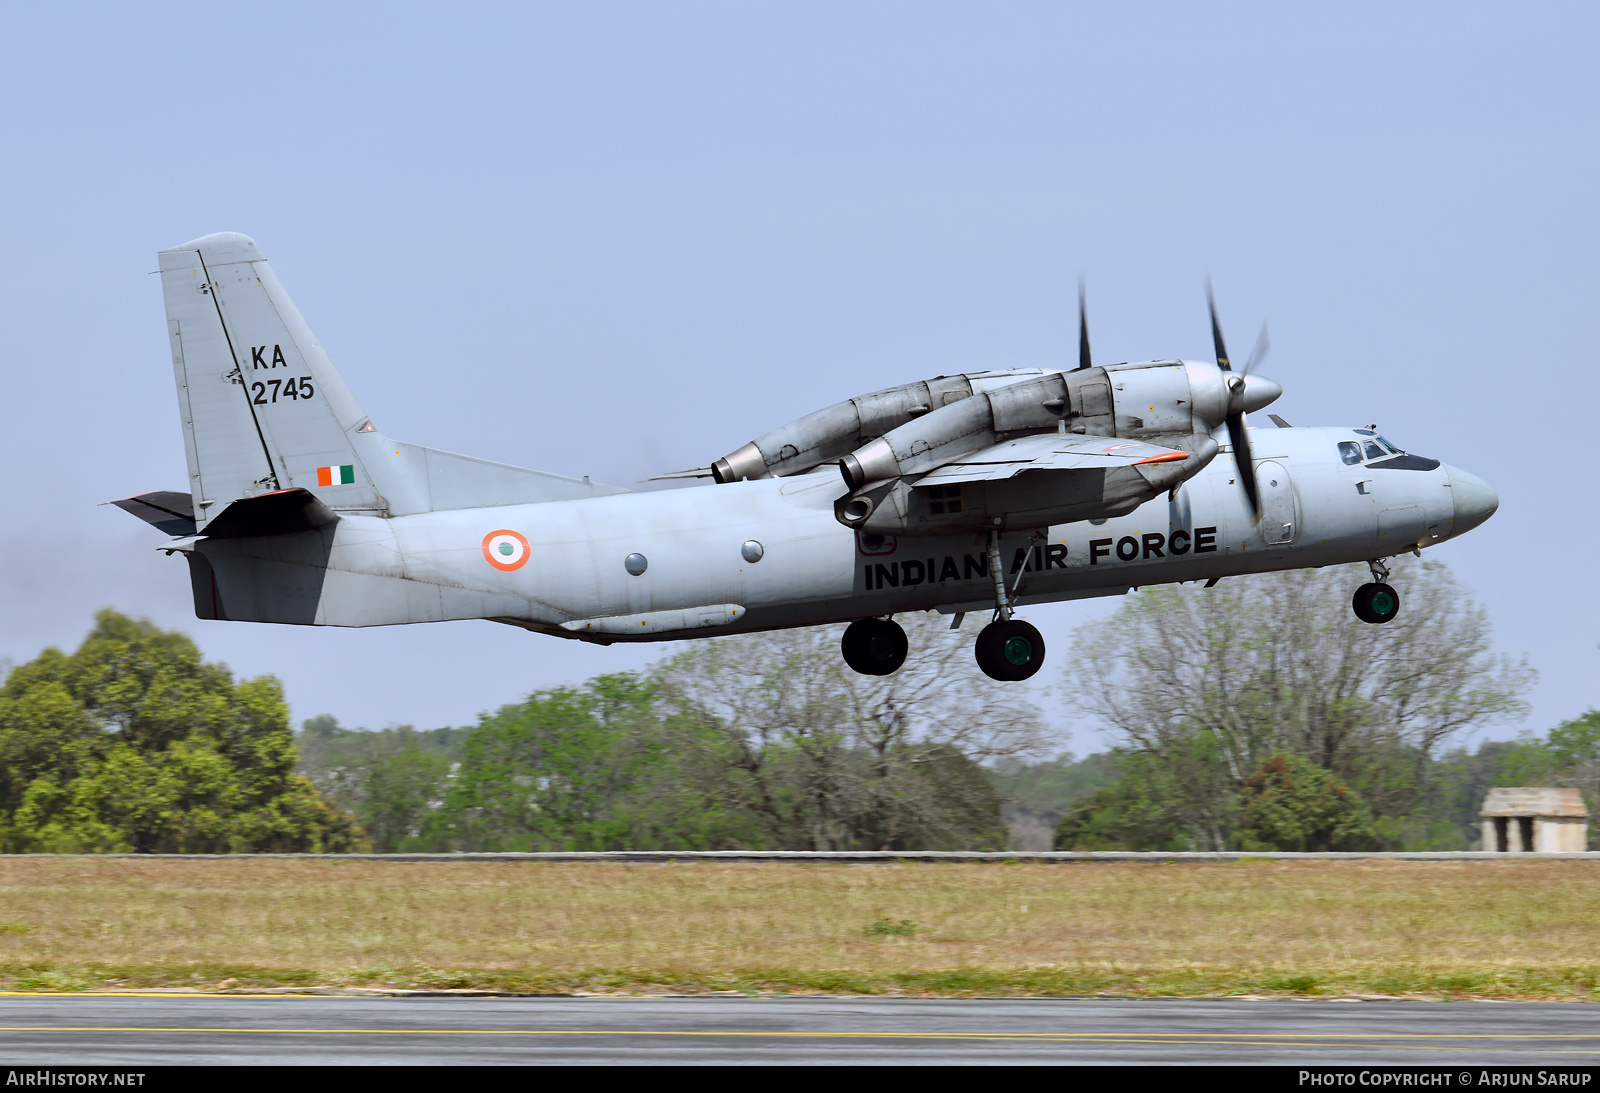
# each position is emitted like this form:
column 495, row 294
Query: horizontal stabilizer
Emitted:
column 281, row 512
column 165, row 510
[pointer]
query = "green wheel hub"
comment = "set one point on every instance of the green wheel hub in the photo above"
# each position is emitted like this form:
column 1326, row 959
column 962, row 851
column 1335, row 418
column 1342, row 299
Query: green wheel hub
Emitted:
column 1009, row 650
column 1017, row 650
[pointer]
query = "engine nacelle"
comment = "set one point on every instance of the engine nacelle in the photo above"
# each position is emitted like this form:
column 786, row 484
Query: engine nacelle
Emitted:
column 1032, row 499
column 1153, row 399
column 830, row 433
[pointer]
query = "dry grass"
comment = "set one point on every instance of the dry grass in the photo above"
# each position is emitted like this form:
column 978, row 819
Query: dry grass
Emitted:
column 1481, row 929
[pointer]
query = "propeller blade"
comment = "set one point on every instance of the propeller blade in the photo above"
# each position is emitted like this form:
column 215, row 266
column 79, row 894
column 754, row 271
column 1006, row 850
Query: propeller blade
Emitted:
column 1238, row 436
column 1216, row 331
column 1083, row 328
column 1259, row 353
column 1242, row 459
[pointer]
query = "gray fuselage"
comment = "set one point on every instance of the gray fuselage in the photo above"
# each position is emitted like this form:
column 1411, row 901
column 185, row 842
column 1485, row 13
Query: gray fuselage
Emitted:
column 436, row 566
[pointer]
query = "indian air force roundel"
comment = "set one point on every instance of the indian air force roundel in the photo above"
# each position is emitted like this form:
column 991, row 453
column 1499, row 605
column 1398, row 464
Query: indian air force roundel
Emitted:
column 505, row 550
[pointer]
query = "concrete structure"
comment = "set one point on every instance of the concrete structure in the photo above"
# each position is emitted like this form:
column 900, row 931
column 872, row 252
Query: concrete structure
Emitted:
column 1534, row 818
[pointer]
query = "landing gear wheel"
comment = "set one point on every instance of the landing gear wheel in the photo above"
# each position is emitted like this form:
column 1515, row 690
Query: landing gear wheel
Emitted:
column 1376, row 603
column 1010, row 650
column 874, row 647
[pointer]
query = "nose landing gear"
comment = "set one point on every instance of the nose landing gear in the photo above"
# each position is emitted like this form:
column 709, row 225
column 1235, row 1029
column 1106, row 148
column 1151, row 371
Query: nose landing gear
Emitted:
column 874, row 647
column 1376, row 602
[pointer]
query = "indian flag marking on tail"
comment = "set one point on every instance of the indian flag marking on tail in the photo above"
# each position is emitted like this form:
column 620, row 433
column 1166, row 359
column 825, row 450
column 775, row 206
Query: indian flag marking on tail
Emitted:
column 336, row 476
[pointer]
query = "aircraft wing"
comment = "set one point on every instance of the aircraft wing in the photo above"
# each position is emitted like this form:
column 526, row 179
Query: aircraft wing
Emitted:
column 1048, row 452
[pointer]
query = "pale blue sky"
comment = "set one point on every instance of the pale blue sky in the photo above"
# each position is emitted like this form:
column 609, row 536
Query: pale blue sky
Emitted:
column 620, row 238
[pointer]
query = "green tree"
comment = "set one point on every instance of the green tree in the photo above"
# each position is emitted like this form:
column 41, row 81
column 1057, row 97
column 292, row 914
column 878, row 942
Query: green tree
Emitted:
column 605, row 766
column 1291, row 803
column 135, row 743
column 1142, row 808
column 1210, row 683
column 1575, row 744
column 1053, row 785
column 830, row 760
column 1574, row 752
column 1036, row 796
column 392, row 780
column 401, row 792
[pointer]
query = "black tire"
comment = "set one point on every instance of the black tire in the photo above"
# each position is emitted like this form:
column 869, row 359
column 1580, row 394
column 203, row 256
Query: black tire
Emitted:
column 874, row 647
column 1010, row 651
column 1376, row 603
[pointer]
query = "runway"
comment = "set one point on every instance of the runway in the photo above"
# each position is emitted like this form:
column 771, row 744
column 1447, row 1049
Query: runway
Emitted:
column 144, row 1030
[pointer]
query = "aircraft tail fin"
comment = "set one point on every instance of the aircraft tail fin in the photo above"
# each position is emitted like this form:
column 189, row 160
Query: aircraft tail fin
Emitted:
column 264, row 410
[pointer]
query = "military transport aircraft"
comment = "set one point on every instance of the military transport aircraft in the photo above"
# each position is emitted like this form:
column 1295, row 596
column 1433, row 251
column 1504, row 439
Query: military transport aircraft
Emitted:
column 981, row 492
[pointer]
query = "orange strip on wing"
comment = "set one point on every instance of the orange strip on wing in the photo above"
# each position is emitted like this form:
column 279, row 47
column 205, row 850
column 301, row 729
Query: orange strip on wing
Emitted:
column 1164, row 457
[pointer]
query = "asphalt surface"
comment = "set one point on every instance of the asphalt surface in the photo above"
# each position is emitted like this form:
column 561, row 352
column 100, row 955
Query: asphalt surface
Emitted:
column 135, row 1030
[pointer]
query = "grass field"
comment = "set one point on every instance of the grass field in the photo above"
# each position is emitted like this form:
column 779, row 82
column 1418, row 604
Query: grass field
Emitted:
column 1512, row 929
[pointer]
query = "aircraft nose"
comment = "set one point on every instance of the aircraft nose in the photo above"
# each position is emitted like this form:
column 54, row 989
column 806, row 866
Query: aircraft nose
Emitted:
column 1475, row 500
column 1259, row 393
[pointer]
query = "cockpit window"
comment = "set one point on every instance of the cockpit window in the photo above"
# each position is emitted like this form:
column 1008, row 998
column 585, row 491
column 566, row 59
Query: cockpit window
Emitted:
column 1379, row 453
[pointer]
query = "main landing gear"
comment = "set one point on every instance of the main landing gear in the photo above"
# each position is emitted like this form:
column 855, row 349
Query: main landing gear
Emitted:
column 1007, row 649
column 1376, row 602
column 874, row 647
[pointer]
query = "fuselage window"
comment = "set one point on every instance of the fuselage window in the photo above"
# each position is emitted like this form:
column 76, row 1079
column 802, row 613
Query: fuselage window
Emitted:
column 1375, row 452
column 1349, row 451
